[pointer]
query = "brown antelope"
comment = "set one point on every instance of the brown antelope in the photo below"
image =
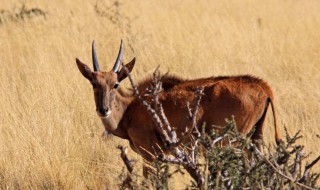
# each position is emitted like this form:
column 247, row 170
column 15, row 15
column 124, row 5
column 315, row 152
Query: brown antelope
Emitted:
column 245, row 97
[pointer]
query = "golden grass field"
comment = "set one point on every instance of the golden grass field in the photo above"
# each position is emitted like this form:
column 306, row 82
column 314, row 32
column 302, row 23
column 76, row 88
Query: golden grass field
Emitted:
column 50, row 136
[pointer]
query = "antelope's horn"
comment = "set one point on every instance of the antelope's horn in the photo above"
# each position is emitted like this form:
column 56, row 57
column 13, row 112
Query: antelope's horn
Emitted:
column 119, row 58
column 95, row 58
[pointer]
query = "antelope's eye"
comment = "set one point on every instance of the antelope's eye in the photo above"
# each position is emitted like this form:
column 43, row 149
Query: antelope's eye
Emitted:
column 116, row 85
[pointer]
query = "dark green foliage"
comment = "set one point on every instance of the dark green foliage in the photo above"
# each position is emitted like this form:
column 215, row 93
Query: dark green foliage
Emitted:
column 158, row 177
column 234, row 162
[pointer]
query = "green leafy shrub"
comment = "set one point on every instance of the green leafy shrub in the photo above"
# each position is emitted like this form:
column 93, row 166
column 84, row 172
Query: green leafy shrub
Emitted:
column 241, row 165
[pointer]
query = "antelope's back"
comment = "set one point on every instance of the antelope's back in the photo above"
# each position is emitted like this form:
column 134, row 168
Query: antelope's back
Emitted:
column 243, row 97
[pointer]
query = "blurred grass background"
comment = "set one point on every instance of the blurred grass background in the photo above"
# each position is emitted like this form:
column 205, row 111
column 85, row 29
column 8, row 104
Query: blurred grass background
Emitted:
column 50, row 136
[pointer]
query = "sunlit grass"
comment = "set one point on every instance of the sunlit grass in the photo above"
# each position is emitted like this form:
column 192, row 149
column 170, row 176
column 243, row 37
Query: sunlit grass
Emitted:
column 50, row 136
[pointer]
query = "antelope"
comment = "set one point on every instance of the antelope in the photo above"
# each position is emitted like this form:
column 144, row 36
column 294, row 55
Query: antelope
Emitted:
column 245, row 97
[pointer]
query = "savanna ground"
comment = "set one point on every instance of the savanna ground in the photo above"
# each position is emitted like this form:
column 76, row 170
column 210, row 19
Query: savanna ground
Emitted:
column 50, row 136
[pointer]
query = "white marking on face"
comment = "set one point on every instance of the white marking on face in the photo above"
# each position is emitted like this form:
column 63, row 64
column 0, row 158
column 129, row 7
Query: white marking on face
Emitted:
column 104, row 116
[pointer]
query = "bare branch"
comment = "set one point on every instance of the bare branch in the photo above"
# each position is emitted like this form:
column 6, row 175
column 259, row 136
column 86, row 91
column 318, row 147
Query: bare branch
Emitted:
column 155, row 117
column 128, row 163
column 125, row 158
column 193, row 114
column 307, row 170
column 280, row 173
column 198, row 94
column 189, row 110
column 297, row 164
column 167, row 133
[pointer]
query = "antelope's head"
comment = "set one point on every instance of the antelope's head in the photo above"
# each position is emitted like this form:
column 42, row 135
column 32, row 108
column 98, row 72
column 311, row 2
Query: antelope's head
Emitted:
column 104, row 84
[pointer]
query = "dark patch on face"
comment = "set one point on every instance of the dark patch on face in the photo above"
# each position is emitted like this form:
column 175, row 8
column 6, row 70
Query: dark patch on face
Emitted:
column 103, row 83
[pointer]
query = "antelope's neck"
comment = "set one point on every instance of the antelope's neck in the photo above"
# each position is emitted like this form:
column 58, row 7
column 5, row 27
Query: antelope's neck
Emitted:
column 119, row 106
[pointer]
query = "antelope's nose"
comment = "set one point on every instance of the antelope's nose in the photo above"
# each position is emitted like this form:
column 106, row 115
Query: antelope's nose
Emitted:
column 103, row 111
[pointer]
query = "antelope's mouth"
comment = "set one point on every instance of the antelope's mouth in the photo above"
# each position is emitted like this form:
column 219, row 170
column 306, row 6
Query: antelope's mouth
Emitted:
column 105, row 114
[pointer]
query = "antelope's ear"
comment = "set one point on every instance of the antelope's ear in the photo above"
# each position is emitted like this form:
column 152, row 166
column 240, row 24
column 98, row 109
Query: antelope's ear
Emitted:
column 84, row 69
column 122, row 73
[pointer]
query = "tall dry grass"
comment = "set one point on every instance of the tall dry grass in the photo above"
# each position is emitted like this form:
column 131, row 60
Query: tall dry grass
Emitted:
column 50, row 136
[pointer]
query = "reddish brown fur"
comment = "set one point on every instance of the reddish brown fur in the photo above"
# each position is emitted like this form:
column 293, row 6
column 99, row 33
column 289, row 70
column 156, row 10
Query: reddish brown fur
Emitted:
column 245, row 97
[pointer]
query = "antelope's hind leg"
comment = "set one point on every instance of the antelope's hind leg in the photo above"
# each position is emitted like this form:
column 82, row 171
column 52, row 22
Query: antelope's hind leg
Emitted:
column 257, row 136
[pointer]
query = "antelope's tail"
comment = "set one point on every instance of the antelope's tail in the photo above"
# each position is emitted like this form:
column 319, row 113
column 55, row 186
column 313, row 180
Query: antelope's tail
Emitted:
column 276, row 130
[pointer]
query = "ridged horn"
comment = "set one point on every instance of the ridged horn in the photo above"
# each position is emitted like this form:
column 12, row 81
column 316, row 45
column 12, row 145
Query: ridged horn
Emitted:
column 119, row 58
column 94, row 57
